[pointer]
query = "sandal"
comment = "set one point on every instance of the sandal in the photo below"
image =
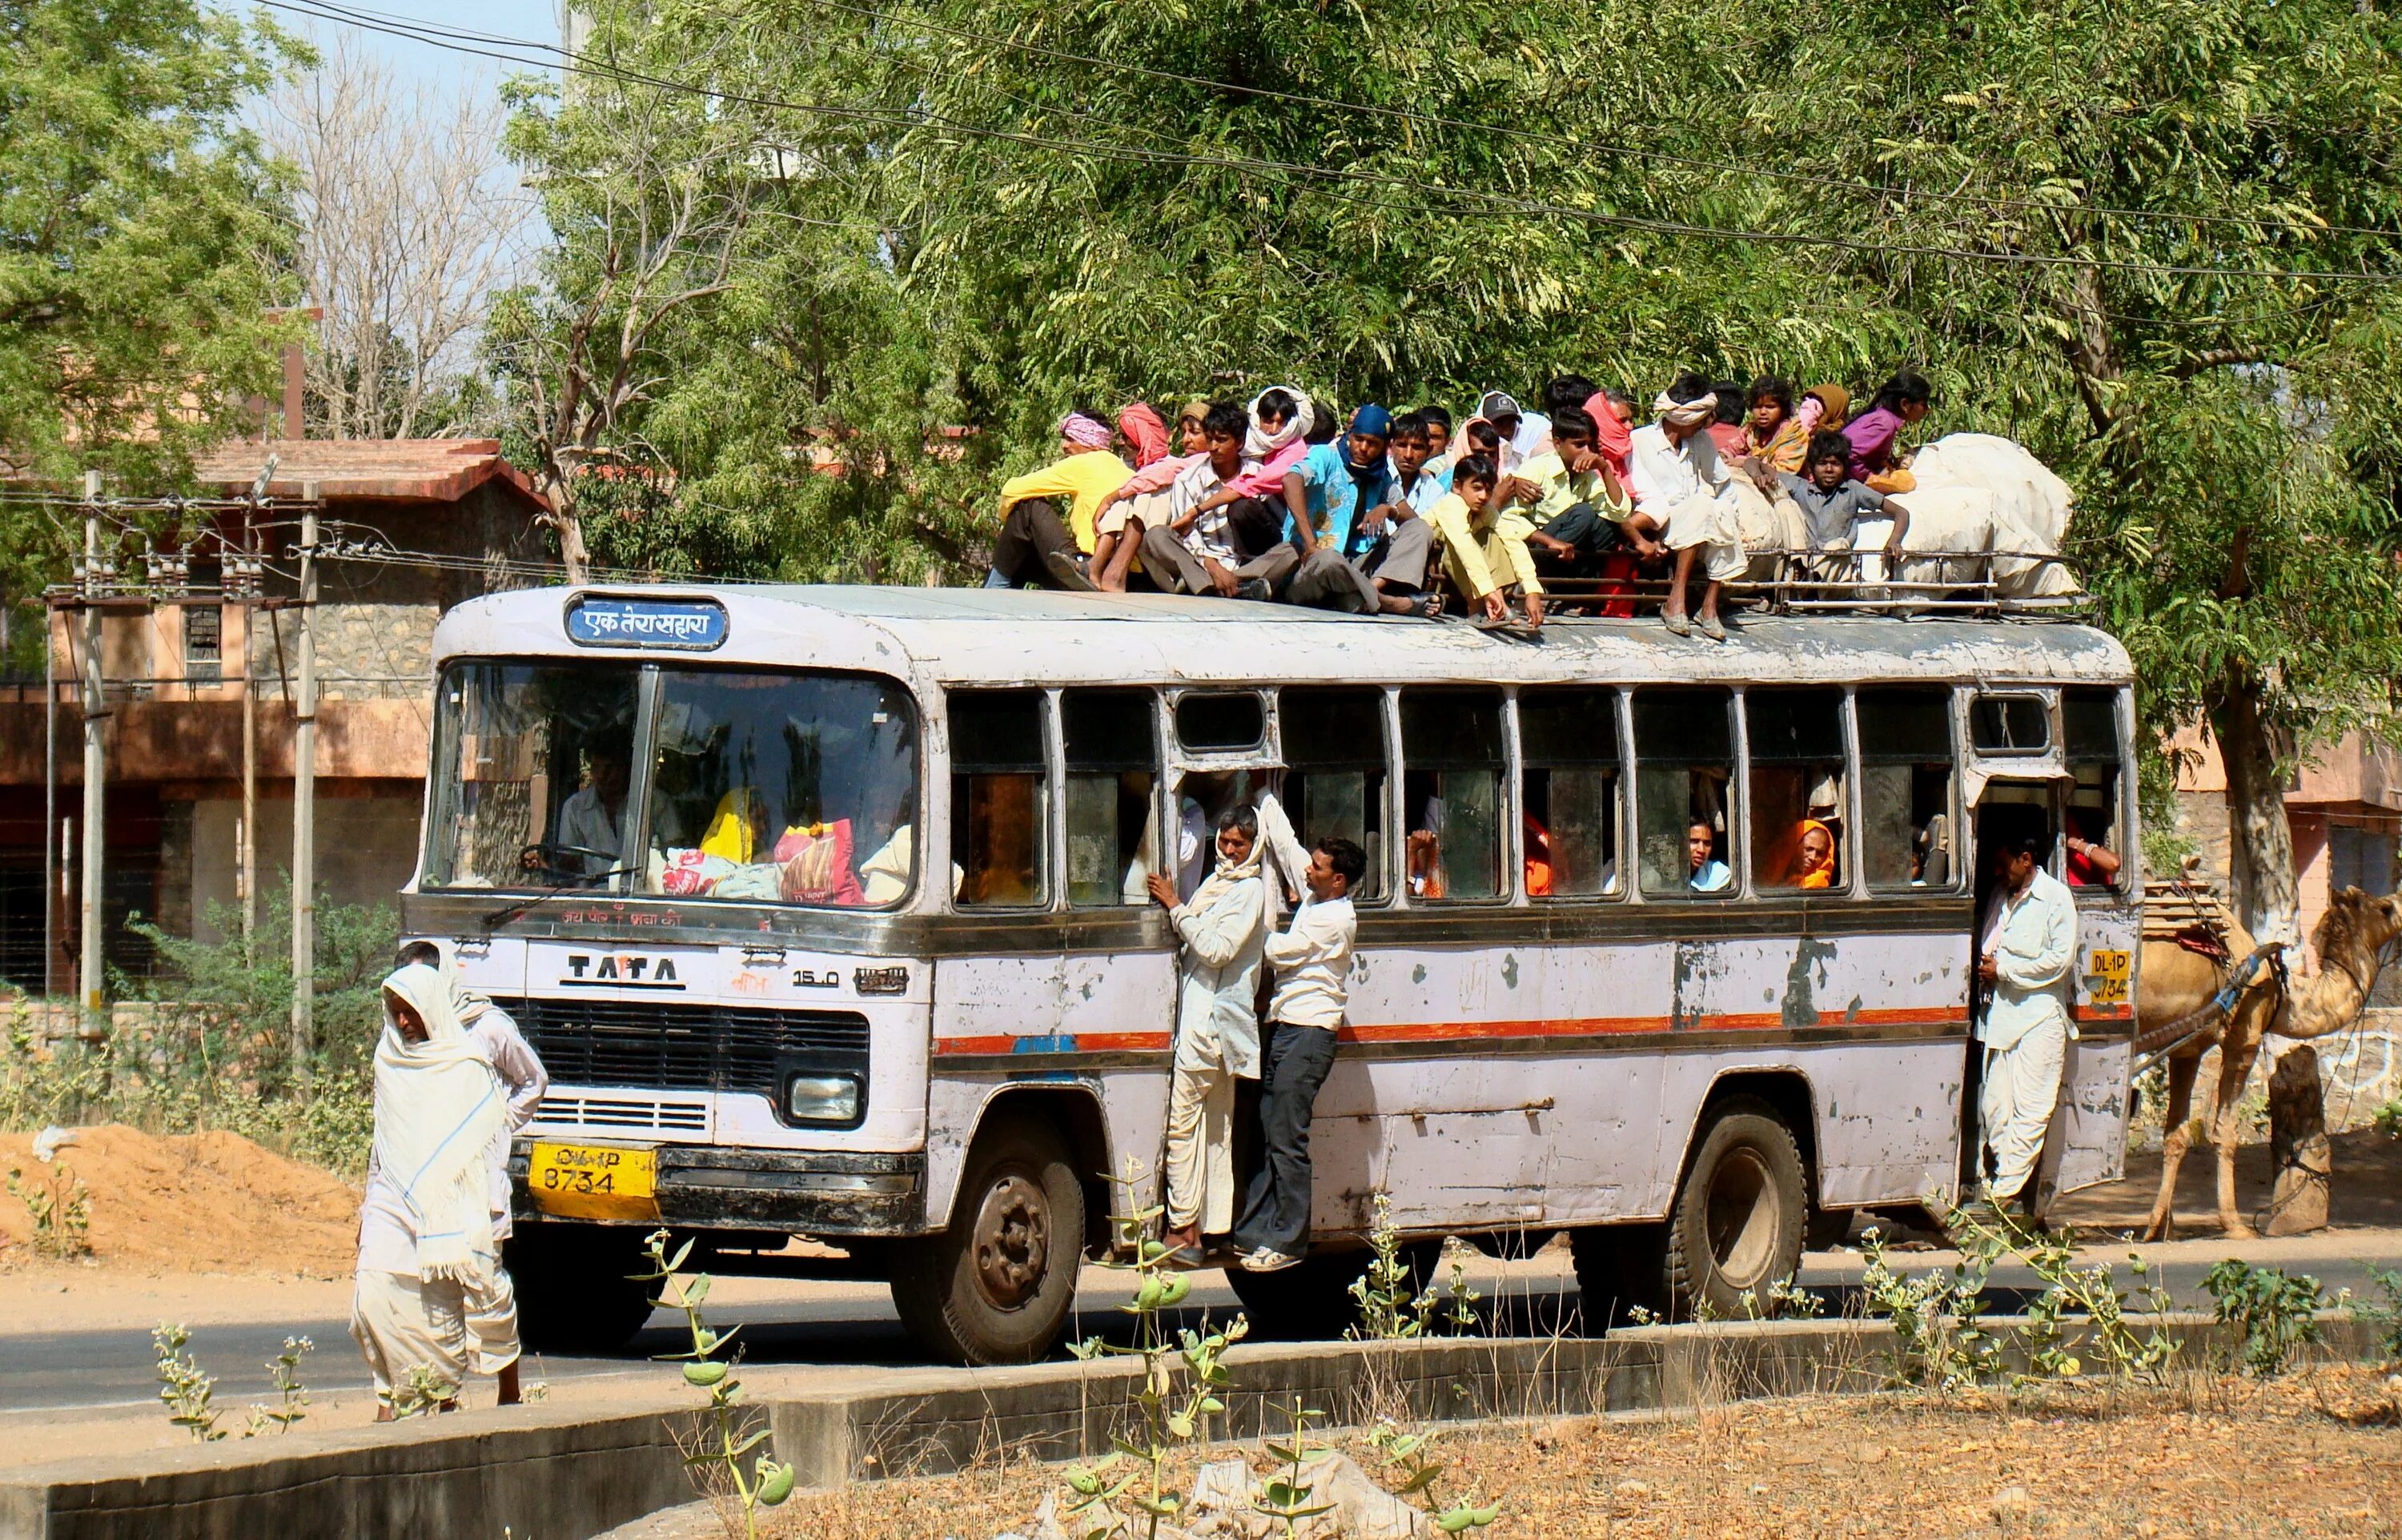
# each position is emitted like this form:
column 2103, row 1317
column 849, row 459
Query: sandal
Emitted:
column 1676, row 622
column 1711, row 629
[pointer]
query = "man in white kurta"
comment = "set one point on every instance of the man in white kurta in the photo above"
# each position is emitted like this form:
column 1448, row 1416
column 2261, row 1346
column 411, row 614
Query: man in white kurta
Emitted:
column 1685, row 495
column 1221, row 930
column 2023, row 962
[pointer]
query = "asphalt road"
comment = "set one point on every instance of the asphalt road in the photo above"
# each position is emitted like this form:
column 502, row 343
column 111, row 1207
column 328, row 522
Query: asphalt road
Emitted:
column 849, row 1324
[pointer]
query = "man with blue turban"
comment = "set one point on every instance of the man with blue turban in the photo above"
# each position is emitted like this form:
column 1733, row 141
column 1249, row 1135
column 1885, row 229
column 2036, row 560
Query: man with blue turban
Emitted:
column 1364, row 549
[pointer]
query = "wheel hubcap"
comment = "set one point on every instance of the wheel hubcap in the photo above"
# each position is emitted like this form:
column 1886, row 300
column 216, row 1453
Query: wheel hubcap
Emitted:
column 1013, row 1241
column 1741, row 1218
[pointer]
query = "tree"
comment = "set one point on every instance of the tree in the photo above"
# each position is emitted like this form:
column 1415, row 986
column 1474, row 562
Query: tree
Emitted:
column 408, row 226
column 142, row 226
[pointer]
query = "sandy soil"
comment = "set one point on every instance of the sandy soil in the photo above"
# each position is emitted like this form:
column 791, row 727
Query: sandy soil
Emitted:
column 2366, row 1189
column 200, row 1203
column 2316, row 1455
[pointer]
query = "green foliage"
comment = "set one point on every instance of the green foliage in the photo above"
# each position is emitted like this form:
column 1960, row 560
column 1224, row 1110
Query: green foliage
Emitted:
column 1391, row 1310
column 58, row 1206
column 1784, row 1300
column 141, row 230
column 2388, row 1119
column 292, row 1396
column 2274, row 1314
column 1183, row 1384
column 209, row 1048
column 1941, row 1338
column 2384, row 1314
column 185, row 1392
column 422, row 1391
column 728, row 1432
column 1289, row 1496
column 1407, row 1455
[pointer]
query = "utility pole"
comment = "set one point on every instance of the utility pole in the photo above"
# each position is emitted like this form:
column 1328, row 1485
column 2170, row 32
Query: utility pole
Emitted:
column 248, row 569
column 304, row 798
column 93, row 982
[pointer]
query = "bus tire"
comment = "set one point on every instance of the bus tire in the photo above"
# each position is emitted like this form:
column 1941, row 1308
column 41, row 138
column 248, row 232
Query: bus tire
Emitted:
column 1621, row 1269
column 995, row 1286
column 1737, row 1224
column 574, row 1289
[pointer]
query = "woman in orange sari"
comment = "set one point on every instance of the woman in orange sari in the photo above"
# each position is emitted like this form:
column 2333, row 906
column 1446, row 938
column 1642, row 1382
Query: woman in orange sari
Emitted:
column 1817, row 868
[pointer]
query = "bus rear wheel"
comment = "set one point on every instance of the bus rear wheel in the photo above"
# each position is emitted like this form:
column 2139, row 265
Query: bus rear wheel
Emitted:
column 995, row 1286
column 574, row 1285
column 1737, row 1228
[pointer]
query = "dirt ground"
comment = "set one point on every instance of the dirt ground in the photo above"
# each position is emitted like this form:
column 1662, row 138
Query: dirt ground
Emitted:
column 2319, row 1453
column 200, row 1203
column 2366, row 1189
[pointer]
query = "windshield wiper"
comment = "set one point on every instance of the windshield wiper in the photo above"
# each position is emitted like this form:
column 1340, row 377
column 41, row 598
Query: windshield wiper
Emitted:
column 499, row 917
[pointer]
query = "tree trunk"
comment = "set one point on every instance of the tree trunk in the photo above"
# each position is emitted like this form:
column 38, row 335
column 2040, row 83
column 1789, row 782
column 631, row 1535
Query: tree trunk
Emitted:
column 567, row 522
column 2261, row 842
column 2300, row 1157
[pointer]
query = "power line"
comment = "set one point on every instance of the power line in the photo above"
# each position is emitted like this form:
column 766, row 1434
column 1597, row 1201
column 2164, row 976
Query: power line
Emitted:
column 1588, row 146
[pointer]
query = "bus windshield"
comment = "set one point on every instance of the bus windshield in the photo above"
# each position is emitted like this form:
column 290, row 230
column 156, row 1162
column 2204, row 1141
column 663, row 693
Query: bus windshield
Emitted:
column 532, row 762
column 771, row 788
column 782, row 788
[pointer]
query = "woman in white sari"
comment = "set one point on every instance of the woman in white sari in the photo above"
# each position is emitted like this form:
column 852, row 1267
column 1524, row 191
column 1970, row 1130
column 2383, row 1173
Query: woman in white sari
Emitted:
column 425, row 1230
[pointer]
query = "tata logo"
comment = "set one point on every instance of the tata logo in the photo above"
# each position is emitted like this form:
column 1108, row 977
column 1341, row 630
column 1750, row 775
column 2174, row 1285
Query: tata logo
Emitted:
column 620, row 971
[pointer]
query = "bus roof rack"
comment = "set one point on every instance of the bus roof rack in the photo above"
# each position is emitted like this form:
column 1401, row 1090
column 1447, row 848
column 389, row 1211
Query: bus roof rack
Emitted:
column 1955, row 583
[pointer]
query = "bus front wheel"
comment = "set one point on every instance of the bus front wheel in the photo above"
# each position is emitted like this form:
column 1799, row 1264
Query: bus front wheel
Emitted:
column 994, row 1286
column 1737, row 1228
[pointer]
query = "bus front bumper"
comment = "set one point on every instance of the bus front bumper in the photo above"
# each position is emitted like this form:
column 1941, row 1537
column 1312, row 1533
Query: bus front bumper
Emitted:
column 813, row 1192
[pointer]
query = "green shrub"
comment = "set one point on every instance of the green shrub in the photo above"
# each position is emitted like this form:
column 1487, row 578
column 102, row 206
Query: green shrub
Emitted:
column 2276, row 1314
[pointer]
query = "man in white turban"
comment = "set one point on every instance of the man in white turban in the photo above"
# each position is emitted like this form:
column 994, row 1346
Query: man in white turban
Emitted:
column 426, row 1251
column 1684, row 499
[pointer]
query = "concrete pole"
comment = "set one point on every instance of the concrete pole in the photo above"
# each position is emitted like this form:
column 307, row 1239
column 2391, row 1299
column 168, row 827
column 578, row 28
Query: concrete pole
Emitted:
column 304, row 801
column 92, row 983
column 245, row 871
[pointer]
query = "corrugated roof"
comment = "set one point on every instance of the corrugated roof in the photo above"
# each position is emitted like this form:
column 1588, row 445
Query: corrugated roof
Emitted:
column 424, row 470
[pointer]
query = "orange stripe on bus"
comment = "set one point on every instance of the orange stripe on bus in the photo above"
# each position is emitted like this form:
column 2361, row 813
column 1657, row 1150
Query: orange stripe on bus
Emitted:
column 1035, row 1045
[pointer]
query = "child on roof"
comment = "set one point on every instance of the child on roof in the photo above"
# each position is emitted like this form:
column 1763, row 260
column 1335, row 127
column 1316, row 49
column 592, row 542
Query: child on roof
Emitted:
column 1484, row 546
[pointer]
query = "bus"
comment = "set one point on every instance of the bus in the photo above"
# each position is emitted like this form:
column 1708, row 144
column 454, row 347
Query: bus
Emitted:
column 825, row 908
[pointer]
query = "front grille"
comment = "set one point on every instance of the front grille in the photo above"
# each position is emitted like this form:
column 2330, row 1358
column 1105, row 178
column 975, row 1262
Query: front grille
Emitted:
column 625, row 1112
column 659, row 1047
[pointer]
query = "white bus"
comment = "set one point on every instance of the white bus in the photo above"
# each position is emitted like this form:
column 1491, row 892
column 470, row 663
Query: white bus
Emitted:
column 823, row 906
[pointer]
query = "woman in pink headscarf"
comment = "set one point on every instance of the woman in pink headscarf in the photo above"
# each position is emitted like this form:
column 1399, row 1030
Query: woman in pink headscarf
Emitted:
column 1613, row 428
column 1145, row 433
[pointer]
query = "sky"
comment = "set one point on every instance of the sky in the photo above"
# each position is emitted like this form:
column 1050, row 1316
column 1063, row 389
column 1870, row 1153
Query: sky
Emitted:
column 449, row 73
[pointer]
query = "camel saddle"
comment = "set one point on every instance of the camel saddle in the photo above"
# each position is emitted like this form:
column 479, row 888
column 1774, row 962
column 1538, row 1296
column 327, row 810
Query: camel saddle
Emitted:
column 2191, row 915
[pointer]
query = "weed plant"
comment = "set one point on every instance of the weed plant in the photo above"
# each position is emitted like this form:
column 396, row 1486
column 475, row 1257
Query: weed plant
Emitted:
column 58, row 1206
column 2383, row 1315
column 187, row 1394
column 728, row 1432
column 2274, row 1314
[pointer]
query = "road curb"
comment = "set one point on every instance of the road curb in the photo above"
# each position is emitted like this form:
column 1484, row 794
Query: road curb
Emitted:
column 563, row 1474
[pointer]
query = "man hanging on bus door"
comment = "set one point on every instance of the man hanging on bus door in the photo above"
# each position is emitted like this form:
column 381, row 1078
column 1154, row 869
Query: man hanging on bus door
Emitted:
column 2022, row 964
column 1311, row 959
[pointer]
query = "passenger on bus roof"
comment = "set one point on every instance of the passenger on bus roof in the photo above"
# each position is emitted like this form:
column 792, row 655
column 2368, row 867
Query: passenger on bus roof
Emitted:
column 1141, row 501
column 1899, row 402
column 1415, row 480
column 1035, row 547
column 1484, row 546
column 1708, row 874
column 1520, row 431
column 1775, row 429
column 1380, row 565
column 1684, row 497
column 1220, row 931
column 1576, row 502
column 1441, row 441
column 1195, row 549
column 1340, row 495
column 1832, row 501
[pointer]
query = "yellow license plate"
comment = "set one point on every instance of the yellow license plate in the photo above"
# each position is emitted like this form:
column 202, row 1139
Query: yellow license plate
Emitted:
column 2106, row 976
column 594, row 1181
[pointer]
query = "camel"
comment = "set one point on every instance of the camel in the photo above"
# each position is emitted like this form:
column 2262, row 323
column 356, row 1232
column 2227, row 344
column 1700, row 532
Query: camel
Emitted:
column 2350, row 940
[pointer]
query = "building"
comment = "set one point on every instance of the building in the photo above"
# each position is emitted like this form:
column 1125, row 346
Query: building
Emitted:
column 461, row 520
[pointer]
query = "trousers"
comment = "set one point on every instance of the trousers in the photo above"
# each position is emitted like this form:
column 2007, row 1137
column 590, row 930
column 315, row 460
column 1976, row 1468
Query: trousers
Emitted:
column 1276, row 1217
column 1586, row 529
column 1200, row 1137
column 1173, row 568
column 2020, row 1092
column 1032, row 543
column 1399, row 561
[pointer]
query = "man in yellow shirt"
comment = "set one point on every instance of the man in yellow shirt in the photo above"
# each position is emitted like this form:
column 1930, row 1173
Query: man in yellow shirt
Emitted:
column 1576, row 502
column 1036, row 546
column 1484, row 547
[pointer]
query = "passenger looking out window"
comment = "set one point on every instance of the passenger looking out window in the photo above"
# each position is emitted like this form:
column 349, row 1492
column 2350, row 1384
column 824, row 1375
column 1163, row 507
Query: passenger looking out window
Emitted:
column 1684, row 751
column 1798, row 810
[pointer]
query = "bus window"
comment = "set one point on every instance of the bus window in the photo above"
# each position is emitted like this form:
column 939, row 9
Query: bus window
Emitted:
column 1112, row 752
column 1451, row 793
column 1799, row 809
column 1908, row 802
column 1567, row 747
column 2089, row 721
column 1684, row 753
column 2010, row 724
column 533, row 765
column 1334, row 771
column 999, row 800
column 783, row 788
column 1221, row 722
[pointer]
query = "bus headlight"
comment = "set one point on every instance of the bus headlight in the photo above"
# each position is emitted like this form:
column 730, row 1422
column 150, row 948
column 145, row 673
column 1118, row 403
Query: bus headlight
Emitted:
column 822, row 1099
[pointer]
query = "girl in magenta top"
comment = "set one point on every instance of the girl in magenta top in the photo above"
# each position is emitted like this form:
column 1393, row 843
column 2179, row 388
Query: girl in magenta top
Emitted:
column 1901, row 401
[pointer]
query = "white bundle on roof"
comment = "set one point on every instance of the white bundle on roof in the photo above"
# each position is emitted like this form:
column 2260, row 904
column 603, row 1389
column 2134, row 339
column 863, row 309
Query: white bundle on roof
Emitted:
column 2029, row 508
